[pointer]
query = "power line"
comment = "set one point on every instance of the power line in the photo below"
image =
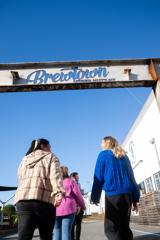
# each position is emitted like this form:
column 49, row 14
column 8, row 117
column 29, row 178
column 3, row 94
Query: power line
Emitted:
column 7, row 200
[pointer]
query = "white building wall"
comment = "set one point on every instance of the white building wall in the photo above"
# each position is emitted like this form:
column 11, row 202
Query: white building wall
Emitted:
column 140, row 149
column 92, row 208
column 139, row 142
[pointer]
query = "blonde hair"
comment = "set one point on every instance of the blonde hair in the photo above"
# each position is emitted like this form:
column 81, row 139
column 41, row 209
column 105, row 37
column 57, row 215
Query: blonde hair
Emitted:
column 113, row 145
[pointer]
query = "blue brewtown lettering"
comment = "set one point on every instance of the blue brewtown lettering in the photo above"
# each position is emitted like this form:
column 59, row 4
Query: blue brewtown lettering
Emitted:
column 75, row 75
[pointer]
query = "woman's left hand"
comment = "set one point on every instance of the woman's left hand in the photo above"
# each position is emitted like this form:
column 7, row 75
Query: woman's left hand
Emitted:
column 135, row 207
column 58, row 199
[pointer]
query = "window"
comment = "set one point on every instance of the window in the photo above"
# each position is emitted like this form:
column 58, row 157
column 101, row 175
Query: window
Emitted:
column 142, row 187
column 149, row 184
column 157, row 180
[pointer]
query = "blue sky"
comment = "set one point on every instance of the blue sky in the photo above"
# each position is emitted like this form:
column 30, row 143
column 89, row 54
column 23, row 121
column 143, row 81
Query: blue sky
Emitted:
column 73, row 121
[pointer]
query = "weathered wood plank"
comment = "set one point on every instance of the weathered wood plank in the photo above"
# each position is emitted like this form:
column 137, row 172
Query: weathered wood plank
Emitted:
column 74, row 75
column 149, row 209
column 37, row 65
column 157, row 93
column 76, row 86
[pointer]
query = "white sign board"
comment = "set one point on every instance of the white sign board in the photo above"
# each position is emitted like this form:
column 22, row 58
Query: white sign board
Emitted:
column 78, row 75
column 75, row 75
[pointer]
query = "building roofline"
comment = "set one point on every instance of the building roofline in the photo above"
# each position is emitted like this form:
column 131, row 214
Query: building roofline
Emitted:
column 144, row 109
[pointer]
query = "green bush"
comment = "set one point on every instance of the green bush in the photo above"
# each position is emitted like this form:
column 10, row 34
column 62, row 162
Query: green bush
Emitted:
column 9, row 210
column 13, row 220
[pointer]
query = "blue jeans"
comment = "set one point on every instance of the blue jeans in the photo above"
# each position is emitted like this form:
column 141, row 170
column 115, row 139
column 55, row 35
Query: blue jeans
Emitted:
column 63, row 227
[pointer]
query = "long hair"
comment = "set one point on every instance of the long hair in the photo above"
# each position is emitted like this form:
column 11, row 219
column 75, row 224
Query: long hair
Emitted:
column 113, row 144
column 64, row 172
column 36, row 144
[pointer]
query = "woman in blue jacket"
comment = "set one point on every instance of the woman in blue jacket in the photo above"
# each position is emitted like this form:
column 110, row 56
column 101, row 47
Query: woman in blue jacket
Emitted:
column 114, row 174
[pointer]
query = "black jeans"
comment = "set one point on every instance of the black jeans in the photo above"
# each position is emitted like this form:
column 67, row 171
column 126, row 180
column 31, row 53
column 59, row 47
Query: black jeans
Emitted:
column 76, row 227
column 32, row 214
column 117, row 217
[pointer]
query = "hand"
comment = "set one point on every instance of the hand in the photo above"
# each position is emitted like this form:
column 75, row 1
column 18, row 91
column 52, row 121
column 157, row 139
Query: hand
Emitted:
column 91, row 202
column 135, row 207
column 58, row 199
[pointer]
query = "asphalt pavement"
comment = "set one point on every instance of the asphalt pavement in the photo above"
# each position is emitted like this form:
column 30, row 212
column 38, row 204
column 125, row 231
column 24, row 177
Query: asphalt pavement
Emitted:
column 93, row 230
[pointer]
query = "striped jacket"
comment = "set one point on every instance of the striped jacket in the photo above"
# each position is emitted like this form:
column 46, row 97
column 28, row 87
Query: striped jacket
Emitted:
column 39, row 177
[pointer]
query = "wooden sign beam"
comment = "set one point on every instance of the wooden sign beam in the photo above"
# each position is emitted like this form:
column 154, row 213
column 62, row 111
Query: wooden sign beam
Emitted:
column 49, row 76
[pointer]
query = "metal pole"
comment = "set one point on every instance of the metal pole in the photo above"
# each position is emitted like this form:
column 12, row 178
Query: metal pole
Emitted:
column 156, row 150
column 153, row 141
column 3, row 203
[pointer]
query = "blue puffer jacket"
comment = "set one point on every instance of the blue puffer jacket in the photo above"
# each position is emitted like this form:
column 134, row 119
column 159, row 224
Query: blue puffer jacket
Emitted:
column 115, row 176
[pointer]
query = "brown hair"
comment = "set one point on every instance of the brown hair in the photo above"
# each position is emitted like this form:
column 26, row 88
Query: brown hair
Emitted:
column 73, row 174
column 112, row 144
column 64, row 171
column 36, row 144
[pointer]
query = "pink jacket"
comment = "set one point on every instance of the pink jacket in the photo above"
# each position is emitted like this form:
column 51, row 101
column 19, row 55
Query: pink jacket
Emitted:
column 73, row 197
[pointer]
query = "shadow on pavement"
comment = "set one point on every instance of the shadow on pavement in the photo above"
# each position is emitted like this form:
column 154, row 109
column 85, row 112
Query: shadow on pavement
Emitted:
column 148, row 237
column 6, row 237
column 6, row 233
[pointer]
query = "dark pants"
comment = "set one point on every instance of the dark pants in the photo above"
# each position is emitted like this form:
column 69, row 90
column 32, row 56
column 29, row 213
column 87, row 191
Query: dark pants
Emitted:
column 76, row 228
column 32, row 214
column 117, row 217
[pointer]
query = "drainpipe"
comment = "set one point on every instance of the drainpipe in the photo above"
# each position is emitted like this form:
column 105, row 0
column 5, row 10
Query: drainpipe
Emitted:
column 153, row 141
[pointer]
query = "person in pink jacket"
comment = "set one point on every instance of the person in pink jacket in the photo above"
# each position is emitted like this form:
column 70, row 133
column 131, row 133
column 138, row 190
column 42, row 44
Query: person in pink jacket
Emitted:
column 65, row 213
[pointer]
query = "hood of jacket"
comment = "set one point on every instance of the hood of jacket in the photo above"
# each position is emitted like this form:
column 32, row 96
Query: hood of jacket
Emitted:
column 33, row 158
